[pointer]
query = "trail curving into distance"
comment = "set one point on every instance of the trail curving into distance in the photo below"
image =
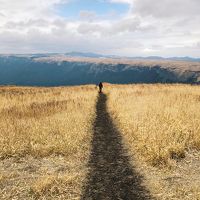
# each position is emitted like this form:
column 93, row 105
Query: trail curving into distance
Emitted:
column 111, row 176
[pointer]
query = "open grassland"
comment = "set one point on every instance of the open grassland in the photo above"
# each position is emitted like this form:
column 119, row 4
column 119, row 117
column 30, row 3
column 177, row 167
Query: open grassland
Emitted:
column 160, row 125
column 45, row 136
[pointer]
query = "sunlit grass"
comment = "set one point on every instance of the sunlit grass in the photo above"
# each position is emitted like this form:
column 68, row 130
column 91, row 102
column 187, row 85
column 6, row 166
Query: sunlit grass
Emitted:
column 38, row 125
column 159, row 122
column 46, row 134
column 160, row 125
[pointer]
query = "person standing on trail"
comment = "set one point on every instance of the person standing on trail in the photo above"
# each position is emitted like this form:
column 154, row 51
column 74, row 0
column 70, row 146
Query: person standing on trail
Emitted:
column 100, row 87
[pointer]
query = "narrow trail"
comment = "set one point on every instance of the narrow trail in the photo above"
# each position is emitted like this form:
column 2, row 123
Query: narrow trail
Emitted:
column 111, row 177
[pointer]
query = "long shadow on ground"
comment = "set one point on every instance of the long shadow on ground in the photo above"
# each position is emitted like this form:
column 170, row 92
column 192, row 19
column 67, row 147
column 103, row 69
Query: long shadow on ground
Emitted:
column 111, row 176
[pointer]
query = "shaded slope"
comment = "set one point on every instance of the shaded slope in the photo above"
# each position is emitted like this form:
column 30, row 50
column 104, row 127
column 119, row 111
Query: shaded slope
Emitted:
column 55, row 71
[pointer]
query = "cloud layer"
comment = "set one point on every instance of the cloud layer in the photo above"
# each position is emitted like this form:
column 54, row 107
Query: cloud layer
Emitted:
column 149, row 27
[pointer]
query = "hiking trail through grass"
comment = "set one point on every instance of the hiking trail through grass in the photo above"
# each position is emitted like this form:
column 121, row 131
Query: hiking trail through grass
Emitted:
column 111, row 176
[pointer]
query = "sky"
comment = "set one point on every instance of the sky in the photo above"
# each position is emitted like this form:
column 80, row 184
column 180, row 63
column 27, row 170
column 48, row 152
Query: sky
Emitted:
column 112, row 27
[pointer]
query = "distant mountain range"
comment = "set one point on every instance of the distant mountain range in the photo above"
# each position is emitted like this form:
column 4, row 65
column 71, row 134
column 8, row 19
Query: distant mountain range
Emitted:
column 95, row 55
column 77, row 68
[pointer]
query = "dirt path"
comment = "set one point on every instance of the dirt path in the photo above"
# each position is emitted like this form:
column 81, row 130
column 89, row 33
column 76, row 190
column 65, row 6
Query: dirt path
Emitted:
column 111, row 176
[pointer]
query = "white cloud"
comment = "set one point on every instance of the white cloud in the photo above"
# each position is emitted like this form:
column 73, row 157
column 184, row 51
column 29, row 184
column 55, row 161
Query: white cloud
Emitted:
column 122, row 1
column 129, row 24
column 167, row 8
column 2, row 15
column 87, row 15
column 150, row 27
column 30, row 9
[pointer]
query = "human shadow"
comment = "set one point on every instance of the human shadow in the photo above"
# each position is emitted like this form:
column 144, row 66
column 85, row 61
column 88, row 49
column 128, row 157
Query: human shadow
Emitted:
column 111, row 175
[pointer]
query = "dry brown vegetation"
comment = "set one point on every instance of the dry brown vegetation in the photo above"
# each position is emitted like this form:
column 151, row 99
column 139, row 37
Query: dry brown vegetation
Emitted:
column 160, row 125
column 45, row 136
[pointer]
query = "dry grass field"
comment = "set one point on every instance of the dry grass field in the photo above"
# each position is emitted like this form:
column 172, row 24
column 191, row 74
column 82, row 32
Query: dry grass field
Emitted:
column 45, row 136
column 161, row 127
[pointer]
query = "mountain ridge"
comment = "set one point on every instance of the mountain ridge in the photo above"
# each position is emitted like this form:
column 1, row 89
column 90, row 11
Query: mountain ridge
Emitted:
column 57, row 70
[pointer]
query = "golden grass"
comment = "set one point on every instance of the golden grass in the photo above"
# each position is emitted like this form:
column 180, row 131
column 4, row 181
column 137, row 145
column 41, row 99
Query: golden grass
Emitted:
column 45, row 138
column 55, row 185
column 41, row 122
column 160, row 122
column 160, row 125
column 40, row 130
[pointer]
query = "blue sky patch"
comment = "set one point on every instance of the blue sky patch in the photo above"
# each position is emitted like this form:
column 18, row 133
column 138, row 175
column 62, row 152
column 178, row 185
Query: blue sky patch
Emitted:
column 72, row 9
